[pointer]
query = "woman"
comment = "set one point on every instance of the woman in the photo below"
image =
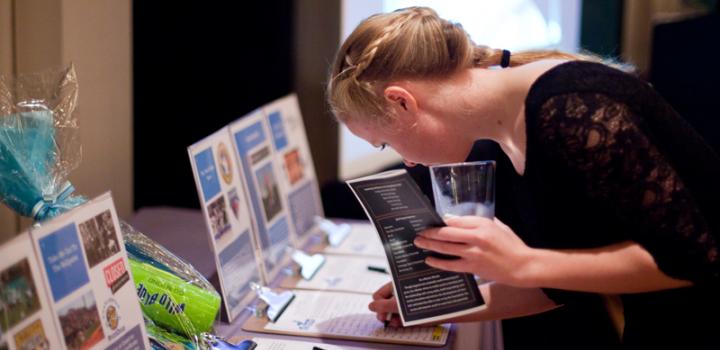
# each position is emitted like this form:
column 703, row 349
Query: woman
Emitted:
column 616, row 188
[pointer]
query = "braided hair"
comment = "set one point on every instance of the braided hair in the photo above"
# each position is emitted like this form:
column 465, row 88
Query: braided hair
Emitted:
column 410, row 43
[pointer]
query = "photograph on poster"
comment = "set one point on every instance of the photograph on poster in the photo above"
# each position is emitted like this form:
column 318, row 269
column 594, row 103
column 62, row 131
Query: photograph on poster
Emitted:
column 234, row 202
column 99, row 238
column 80, row 323
column 269, row 191
column 259, row 155
column 18, row 295
column 218, row 217
column 32, row 337
column 294, row 166
column 225, row 163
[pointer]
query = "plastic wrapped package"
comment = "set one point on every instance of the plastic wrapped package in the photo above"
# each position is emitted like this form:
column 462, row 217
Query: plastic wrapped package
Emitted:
column 172, row 293
column 39, row 144
column 161, row 339
column 39, row 148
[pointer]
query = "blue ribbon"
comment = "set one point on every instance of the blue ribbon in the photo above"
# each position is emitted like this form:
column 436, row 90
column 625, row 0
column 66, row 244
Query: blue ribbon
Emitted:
column 48, row 202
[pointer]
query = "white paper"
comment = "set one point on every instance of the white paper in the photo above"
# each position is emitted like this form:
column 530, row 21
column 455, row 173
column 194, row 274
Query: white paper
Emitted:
column 362, row 240
column 86, row 271
column 347, row 273
column 227, row 215
column 281, row 344
column 26, row 320
column 347, row 315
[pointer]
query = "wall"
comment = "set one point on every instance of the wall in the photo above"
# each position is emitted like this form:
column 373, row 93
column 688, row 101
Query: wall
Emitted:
column 95, row 36
column 315, row 46
column 639, row 17
column 7, row 219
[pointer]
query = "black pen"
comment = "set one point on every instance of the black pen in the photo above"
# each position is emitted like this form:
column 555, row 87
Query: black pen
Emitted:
column 377, row 269
column 388, row 317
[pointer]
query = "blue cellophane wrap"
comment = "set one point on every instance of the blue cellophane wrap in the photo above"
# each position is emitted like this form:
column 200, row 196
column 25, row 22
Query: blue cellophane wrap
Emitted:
column 39, row 143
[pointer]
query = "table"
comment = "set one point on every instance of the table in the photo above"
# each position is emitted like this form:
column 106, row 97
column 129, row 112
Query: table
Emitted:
column 183, row 232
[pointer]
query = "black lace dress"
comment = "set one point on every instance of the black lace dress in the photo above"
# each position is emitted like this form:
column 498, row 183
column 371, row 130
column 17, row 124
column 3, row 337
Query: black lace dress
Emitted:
column 609, row 161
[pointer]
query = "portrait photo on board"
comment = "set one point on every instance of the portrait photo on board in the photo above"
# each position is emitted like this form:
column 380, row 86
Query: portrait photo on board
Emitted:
column 99, row 238
column 218, row 217
column 269, row 192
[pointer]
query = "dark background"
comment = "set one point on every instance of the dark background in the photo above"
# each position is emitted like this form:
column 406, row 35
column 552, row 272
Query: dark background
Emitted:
column 197, row 67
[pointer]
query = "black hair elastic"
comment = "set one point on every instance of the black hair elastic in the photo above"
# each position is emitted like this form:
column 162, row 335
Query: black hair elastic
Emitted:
column 505, row 60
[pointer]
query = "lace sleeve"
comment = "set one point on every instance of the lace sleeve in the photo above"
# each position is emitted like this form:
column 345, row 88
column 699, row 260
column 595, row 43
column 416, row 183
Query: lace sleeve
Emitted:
column 602, row 143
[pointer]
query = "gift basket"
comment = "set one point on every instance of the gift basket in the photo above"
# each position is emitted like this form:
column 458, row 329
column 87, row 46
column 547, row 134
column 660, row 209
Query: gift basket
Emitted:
column 39, row 148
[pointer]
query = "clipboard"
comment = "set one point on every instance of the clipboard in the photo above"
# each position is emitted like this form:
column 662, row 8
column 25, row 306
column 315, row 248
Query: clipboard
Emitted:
column 354, row 323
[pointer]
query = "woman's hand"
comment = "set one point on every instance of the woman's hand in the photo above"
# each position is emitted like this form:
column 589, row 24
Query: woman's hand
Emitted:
column 486, row 247
column 383, row 303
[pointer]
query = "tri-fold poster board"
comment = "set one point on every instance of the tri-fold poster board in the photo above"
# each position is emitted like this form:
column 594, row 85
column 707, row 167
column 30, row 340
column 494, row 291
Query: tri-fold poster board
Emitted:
column 228, row 219
column 260, row 198
column 66, row 285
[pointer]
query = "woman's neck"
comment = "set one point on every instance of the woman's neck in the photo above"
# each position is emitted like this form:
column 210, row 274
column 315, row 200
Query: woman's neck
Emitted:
column 514, row 142
column 499, row 110
column 483, row 103
column 496, row 102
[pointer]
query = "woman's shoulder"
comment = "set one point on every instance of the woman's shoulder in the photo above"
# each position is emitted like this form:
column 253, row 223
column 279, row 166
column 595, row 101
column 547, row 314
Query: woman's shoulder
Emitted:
column 575, row 69
column 570, row 77
column 540, row 67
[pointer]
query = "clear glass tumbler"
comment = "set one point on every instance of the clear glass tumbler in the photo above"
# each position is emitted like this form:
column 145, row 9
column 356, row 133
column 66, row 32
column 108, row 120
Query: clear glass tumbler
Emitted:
column 466, row 188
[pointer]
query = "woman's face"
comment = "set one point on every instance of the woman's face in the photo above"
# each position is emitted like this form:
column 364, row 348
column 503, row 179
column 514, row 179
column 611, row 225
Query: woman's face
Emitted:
column 427, row 141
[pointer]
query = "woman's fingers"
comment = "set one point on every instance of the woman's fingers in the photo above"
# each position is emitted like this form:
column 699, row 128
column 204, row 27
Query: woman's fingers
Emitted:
column 467, row 222
column 384, row 292
column 383, row 305
column 383, row 302
column 441, row 246
column 449, row 234
column 395, row 322
column 457, row 265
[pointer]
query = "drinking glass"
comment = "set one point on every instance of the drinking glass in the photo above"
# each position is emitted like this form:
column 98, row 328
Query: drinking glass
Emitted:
column 466, row 188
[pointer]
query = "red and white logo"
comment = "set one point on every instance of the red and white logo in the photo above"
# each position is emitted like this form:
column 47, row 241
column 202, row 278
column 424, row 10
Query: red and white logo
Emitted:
column 116, row 275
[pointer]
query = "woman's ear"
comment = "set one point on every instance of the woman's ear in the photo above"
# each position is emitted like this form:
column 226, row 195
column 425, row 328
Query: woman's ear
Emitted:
column 400, row 100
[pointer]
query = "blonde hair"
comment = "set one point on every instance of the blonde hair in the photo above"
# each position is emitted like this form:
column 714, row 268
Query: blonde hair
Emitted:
column 410, row 43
